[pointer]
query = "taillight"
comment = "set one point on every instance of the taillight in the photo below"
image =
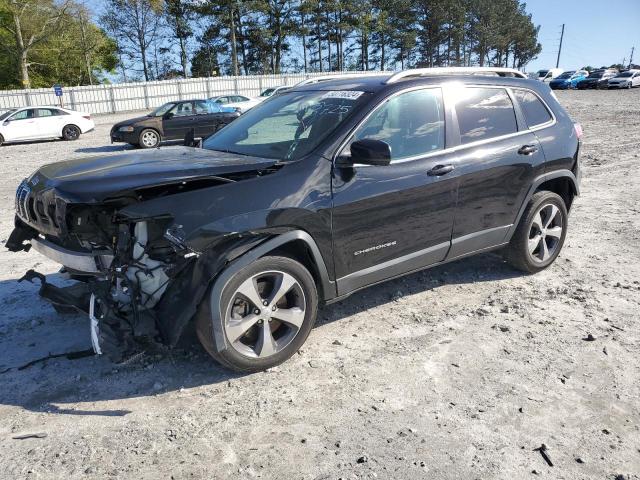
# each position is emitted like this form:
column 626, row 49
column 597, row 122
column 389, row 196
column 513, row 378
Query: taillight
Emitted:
column 578, row 129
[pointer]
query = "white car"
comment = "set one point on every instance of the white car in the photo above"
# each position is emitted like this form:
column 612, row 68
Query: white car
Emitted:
column 271, row 91
column 628, row 79
column 239, row 102
column 38, row 123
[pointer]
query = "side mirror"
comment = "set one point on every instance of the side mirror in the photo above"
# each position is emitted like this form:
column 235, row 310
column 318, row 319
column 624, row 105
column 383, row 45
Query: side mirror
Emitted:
column 6, row 122
column 370, row 152
column 168, row 115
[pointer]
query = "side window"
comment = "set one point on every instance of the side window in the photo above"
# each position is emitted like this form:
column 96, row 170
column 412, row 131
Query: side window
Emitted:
column 412, row 123
column 534, row 110
column 184, row 109
column 202, row 108
column 24, row 114
column 484, row 113
column 46, row 112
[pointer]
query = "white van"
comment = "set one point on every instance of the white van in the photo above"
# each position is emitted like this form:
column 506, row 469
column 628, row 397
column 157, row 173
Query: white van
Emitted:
column 548, row 75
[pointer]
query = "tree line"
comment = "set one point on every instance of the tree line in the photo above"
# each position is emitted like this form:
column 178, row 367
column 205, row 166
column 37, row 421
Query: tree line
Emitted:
column 58, row 41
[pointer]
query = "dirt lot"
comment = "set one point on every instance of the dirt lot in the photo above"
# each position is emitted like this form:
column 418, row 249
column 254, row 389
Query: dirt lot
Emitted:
column 455, row 373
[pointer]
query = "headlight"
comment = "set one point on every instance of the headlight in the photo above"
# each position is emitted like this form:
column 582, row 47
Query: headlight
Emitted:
column 128, row 128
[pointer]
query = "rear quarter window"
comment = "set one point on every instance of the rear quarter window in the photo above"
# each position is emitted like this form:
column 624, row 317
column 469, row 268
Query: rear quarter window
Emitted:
column 535, row 112
column 484, row 113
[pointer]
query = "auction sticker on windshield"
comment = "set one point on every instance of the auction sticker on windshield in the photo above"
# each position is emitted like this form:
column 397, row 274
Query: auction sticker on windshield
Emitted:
column 348, row 94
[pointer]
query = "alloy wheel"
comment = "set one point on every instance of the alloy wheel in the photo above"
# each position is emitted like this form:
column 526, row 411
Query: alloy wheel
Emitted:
column 265, row 314
column 71, row 132
column 149, row 139
column 545, row 233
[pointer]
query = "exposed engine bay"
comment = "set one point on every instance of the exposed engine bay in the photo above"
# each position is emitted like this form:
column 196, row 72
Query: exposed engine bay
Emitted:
column 138, row 279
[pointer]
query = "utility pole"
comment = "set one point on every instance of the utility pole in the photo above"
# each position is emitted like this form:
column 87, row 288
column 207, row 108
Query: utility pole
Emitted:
column 560, row 46
column 631, row 57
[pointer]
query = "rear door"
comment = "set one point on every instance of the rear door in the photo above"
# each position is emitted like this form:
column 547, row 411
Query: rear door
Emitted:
column 21, row 126
column 207, row 120
column 49, row 122
column 388, row 220
column 498, row 158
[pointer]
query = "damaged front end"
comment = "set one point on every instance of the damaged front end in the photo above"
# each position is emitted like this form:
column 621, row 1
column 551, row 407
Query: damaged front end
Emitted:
column 123, row 270
column 138, row 279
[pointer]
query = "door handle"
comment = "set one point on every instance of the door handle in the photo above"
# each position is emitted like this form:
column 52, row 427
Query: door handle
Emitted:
column 439, row 170
column 527, row 149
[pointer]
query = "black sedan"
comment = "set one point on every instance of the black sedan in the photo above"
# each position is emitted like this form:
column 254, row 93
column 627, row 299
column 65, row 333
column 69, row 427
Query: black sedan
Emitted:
column 172, row 121
column 598, row 79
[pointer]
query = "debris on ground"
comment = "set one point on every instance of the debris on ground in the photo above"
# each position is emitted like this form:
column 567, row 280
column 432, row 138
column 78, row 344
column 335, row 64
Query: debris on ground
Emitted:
column 545, row 454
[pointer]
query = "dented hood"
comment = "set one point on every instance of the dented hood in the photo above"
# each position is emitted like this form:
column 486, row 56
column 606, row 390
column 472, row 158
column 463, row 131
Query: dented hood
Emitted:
column 94, row 179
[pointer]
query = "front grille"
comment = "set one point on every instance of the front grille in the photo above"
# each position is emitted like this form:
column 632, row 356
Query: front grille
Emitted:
column 22, row 201
column 40, row 208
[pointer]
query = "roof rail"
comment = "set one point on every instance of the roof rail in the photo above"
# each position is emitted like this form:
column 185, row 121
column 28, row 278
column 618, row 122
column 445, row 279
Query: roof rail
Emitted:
column 324, row 78
column 420, row 72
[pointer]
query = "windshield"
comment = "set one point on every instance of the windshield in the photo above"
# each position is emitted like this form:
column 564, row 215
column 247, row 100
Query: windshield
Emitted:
column 7, row 114
column 625, row 75
column 158, row 112
column 287, row 126
column 543, row 73
column 566, row 75
column 596, row 74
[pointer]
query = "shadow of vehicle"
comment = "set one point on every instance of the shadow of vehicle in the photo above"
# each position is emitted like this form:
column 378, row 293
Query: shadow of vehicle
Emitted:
column 32, row 330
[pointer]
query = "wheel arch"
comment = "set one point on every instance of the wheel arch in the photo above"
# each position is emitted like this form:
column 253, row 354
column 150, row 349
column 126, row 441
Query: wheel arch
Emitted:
column 562, row 182
column 297, row 244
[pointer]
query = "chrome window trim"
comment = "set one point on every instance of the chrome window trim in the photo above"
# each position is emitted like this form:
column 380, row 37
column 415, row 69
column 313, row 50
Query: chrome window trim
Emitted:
column 446, row 150
column 380, row 105
column 539, row 126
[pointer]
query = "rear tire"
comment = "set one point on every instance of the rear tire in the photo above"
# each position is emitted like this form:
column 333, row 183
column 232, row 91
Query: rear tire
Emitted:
column 149, row 138
column 71, row 132
column 268, row 308
column 540, row 234
column 1, row 140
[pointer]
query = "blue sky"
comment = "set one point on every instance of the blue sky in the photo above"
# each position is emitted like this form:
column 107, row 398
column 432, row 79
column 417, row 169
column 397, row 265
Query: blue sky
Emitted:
column 597, row 32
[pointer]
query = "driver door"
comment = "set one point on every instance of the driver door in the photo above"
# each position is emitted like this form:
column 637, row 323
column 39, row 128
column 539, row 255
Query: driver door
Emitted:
column 21, row 126
column 389, row 220
column 182, row 118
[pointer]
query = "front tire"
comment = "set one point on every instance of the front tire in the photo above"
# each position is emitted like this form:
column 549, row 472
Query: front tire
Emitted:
column 149, row 138
column 540, row 234
column 71, row 132
column 1, row 140
column 268, row 310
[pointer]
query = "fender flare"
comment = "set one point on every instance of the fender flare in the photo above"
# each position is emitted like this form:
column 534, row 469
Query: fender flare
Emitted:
column 532, row 189
column 221, row 281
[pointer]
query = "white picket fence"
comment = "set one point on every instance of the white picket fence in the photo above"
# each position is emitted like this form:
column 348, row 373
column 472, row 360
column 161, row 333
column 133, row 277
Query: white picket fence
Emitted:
column 123, row 97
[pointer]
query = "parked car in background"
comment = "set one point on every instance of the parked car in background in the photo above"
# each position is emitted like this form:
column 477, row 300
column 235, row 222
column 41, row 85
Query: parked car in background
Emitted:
column 596, row 79
column 548, row 75
column 628, row 79
column 172, row 121
column 271, row 91
column 40, row 123
column 568, row 79
column 239, row 103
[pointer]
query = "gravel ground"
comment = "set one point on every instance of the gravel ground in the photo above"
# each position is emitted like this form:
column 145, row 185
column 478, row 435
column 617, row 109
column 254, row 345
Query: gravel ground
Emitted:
column 459, row 372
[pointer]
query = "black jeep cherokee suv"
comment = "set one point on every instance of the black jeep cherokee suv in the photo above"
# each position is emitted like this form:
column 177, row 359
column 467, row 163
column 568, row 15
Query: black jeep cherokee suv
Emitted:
column 308, row 197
